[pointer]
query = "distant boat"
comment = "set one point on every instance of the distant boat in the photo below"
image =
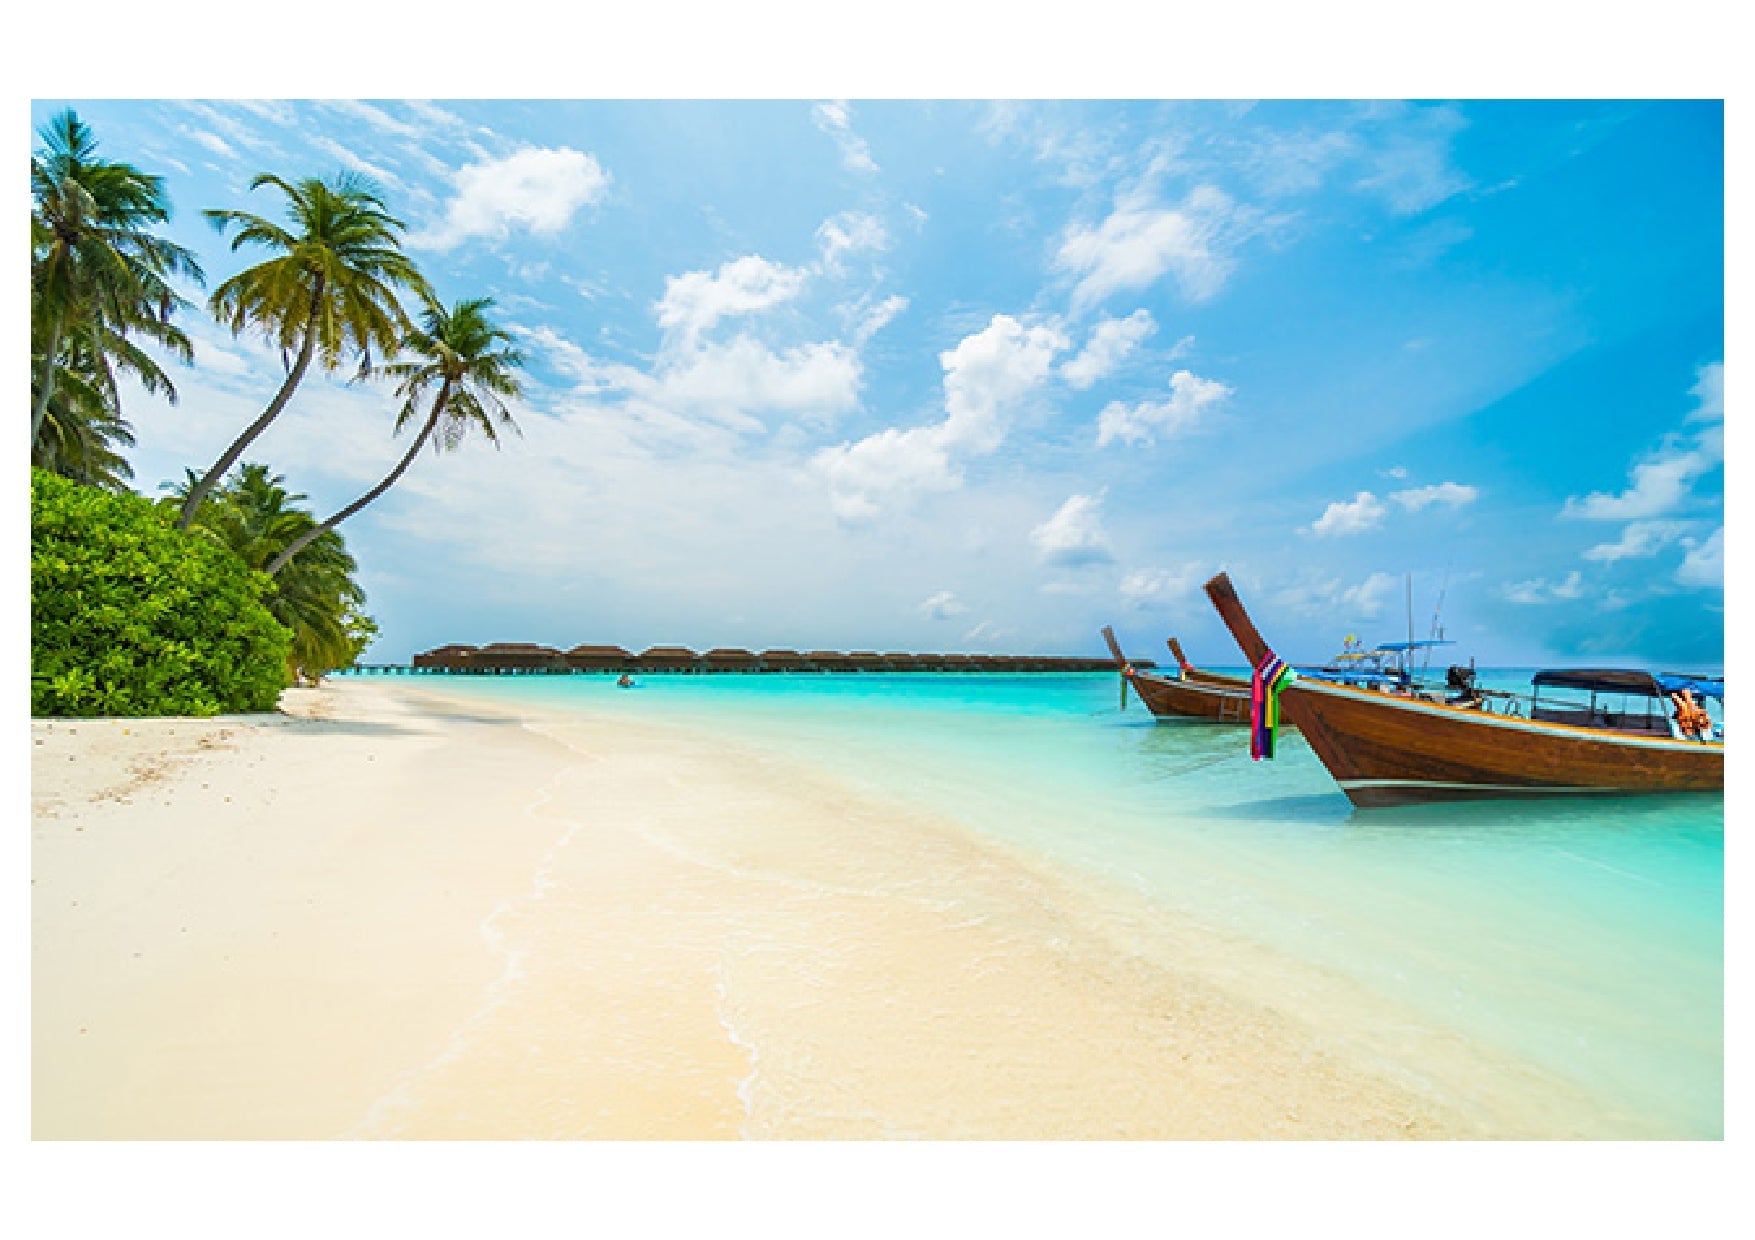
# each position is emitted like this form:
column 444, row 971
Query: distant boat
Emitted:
column 1190, row 694
column 1400, row 748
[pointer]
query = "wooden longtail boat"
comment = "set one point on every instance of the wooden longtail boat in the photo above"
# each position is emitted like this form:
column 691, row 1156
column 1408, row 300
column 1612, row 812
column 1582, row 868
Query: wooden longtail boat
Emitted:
column 1392, row 749
column 1193, row 694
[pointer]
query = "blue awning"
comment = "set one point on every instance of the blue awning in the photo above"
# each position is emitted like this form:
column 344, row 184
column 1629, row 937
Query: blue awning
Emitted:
column 1700, row 686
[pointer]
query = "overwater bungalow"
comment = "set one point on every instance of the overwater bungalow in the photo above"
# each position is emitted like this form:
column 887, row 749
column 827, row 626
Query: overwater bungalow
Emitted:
column 901, row 661
column 517, row 657
column 668, row 659
column 452, row 658
column 599, row 659
column 829, row 661
column 729, row 659
column 865, row 661
column 785, row 661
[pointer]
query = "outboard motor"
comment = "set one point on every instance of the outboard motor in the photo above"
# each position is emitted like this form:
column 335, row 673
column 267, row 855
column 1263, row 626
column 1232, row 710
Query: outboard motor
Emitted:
column 1461, row 683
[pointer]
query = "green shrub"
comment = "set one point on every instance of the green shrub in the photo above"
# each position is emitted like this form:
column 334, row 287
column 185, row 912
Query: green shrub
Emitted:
column 130, row 616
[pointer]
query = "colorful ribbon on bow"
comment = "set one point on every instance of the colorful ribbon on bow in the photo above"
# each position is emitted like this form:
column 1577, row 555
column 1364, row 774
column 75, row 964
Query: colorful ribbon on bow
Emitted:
column 1264, row 704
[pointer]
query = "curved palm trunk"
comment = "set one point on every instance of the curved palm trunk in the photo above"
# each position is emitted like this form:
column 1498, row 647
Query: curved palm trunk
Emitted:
column 46, row 385
column 211, row 478
column 303, row 540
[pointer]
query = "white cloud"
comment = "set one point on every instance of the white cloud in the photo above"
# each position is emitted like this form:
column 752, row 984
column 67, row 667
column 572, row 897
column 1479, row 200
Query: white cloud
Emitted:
column 1334, row 599
column 1640, row 538
column 849, row 233
column 1141, row 241
column 348, row 159
column 1538, row 591
column 277, row 110
column 539, row 189
column 373, row 116
column 1073, row 537
column 1452, row 494
column 987, row 633
column 1363, row 512
column 213, row 142
column 877, row 317
column 1163, row 587
column 986, row 376
column 836, row 119
column 1110, row 342
column 1658, row 486
column 1709, row 390
column 1410, row 165
column 942, row 606
column 728, row 382
column 694, row 301
column 1705, row 565
column 1661, row 485
column 1082, row 155
column 1398, row 472
column 1296, row 163
column 1190, row 397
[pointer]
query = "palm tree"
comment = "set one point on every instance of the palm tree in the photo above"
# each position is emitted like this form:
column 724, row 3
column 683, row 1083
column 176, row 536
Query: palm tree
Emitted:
column 82, row 418
column 329, row 290
column 254, row 515
column 471, row 363
column 82, row 425
column 95, row 264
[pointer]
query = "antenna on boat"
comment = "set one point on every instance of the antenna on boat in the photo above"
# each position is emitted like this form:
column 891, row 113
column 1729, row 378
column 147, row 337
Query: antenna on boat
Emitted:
column 1437, row 633
column 1408, row 657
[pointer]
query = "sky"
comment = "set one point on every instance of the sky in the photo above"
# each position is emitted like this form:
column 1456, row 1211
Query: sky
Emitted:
column 985, row 376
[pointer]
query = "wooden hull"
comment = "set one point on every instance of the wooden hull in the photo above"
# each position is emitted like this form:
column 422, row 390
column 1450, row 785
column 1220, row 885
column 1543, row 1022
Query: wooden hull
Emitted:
column 1384, row 749
column 1201, row 695
column 1388, row 750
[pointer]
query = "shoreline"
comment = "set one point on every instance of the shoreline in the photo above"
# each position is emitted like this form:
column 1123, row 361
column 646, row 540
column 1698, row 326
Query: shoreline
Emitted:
column 420, row 916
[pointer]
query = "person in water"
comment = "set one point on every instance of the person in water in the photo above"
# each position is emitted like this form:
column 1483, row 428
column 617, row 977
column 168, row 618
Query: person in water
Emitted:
column 626, row 682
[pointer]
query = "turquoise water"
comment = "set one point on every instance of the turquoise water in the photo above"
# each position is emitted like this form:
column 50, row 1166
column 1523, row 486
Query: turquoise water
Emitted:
column 1585, row 937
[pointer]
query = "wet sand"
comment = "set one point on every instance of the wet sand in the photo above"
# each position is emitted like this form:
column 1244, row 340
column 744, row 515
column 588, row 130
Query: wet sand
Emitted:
column 393, row 913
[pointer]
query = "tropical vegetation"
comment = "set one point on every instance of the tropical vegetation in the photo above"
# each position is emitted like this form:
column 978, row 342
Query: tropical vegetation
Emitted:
column 129, row 616
column 99, row 274
column 256, row 518
column 330, row 290
column 229, row 589
column 472, row 366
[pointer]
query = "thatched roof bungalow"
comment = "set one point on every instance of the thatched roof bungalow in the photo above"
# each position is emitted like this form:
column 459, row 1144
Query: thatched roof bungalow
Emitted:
column 729, row 659
column 785, row 661
column 901, row 661
column 668, row 659
column 518, row 657
column 445, row 658
column 599, row 659
column 829, row 661
column 865, row 661
column 930, row 662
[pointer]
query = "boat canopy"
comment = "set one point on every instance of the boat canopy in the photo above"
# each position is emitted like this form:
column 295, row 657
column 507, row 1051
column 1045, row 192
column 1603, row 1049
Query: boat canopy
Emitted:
column 1398, row 647
column 1600, row 680
column 1699, row 686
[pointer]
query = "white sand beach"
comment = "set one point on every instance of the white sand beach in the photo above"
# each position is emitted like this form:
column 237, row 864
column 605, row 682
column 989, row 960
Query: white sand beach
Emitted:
column 392, row 913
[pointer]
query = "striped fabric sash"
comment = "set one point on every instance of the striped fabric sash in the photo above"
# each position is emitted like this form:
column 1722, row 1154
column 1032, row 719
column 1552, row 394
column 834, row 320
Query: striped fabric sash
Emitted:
column 1265, row 684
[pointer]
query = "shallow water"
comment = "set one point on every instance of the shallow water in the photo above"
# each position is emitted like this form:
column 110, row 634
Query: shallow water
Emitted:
column 1584, row 937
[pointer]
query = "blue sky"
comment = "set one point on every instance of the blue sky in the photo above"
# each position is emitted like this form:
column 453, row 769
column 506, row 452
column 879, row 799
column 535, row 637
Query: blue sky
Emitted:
column 964, row 375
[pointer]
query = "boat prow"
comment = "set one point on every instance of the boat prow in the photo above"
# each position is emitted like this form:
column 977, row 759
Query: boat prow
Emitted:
column 1190, row 694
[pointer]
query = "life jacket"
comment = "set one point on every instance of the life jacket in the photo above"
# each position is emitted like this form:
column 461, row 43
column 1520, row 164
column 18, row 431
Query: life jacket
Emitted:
column 1691, row 719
